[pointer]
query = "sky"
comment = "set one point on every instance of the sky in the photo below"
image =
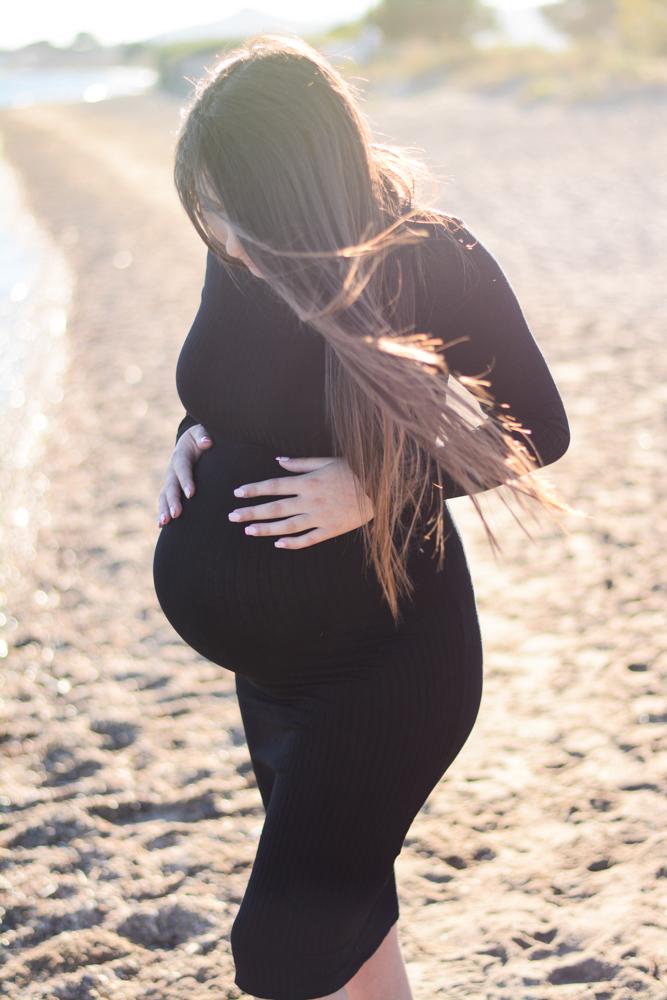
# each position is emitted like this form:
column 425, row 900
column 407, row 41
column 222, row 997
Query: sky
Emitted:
column 128, row 21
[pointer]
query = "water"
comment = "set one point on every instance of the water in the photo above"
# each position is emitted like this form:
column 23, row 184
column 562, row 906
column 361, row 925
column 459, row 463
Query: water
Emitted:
column 23, row 87
column 31, row 266
column 36, row 287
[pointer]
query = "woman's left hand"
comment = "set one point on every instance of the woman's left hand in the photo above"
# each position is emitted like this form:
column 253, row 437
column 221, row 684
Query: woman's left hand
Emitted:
column 325, row 502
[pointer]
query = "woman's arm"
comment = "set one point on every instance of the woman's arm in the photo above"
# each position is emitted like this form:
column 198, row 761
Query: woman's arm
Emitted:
column 208, row 299
column 488, row 314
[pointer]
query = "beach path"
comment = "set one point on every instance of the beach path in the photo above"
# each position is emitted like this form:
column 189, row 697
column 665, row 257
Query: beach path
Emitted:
column 537, row 870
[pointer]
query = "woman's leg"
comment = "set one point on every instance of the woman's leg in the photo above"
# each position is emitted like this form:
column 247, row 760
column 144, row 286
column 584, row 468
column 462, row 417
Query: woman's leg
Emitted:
column 383, row 976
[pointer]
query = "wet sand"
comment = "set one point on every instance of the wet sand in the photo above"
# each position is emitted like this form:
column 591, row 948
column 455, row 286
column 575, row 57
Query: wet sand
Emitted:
column 537, row 869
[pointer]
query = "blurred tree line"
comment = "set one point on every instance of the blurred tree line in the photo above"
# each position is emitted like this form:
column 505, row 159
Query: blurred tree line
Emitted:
column 637, row 28
column 637, row 25
column 456, row 19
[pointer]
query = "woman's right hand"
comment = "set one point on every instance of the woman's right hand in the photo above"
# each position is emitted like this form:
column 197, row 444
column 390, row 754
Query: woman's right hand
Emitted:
column 179, row 475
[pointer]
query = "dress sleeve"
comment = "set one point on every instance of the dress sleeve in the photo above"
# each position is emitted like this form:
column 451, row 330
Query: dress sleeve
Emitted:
column 479, row 304
column 208, row 296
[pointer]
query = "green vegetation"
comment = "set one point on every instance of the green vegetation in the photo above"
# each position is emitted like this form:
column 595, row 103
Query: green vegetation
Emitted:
column 638, row 26
column 455, row 19
column 614, row 46
column 179, row 60
column 584, row 71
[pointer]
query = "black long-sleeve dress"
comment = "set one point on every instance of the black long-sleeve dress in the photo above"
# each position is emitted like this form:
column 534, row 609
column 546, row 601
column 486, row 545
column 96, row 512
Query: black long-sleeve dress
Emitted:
column 350, row 721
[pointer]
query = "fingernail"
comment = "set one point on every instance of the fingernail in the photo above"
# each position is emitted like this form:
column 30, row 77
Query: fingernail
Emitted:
column 173, row 511
column 239, row 492
column 205, row 440
column 186, row 490
column 281, row 458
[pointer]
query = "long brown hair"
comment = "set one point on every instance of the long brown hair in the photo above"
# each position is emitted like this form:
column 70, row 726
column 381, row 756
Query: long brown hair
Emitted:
column 276, row 134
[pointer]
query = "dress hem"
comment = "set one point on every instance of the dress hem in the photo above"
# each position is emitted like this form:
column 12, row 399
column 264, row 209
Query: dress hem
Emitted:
column 341, row 978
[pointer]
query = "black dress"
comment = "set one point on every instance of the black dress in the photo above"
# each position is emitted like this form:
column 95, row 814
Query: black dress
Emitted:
column 350, row 721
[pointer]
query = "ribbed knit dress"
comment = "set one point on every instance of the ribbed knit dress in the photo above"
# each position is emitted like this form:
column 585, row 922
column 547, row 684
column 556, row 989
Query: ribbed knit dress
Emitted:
column 350, row 721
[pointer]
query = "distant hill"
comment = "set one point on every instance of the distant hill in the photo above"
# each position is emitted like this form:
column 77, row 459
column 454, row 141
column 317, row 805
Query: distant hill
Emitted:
column 245, row 22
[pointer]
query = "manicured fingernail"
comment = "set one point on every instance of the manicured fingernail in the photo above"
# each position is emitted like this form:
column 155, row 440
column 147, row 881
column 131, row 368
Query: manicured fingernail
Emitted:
column 280, row 545
column 173, row 511
column 186, row 490
column 205, row 440
column 239, row 492
column 282, row 458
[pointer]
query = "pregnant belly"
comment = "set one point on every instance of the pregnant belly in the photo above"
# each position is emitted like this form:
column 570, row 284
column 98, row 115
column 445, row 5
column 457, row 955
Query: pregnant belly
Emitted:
column 236, row 598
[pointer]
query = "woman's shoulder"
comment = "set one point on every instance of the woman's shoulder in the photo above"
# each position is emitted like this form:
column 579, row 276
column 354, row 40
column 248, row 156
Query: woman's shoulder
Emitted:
column 438, row 219
column 450, row 256
column 445, row 233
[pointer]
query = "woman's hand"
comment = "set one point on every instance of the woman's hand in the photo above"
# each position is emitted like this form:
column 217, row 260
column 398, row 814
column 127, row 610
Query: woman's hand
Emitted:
column 325, row 502
column 179, row 476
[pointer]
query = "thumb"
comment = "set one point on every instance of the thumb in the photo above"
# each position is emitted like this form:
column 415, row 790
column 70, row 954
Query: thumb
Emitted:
column 302, row 464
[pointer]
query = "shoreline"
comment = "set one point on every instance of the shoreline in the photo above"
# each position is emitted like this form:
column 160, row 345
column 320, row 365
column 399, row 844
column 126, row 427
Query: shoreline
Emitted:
column 30, row 409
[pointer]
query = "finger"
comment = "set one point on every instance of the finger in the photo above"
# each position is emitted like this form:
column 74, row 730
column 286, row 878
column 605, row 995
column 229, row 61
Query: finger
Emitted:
column 184, row 458
column 198, row 434
column 163, row 514
column 202, row 437
column 169, row 505
column 172, row 494
column 278, row 487
column 272, row 508
column 296, row 523
column 182, row 466
column 303, row 464
column 302, row 541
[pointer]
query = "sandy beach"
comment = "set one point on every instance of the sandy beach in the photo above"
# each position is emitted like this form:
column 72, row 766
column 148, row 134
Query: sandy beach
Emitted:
column 537, row 869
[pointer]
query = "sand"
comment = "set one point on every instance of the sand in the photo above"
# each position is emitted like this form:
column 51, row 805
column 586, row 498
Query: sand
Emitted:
column 537, row 869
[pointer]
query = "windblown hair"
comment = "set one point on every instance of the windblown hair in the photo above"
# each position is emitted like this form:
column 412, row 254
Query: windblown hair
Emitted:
column 273, row 139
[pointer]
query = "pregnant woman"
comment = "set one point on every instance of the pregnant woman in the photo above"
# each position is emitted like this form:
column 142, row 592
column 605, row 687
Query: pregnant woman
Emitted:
column 355, row 361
